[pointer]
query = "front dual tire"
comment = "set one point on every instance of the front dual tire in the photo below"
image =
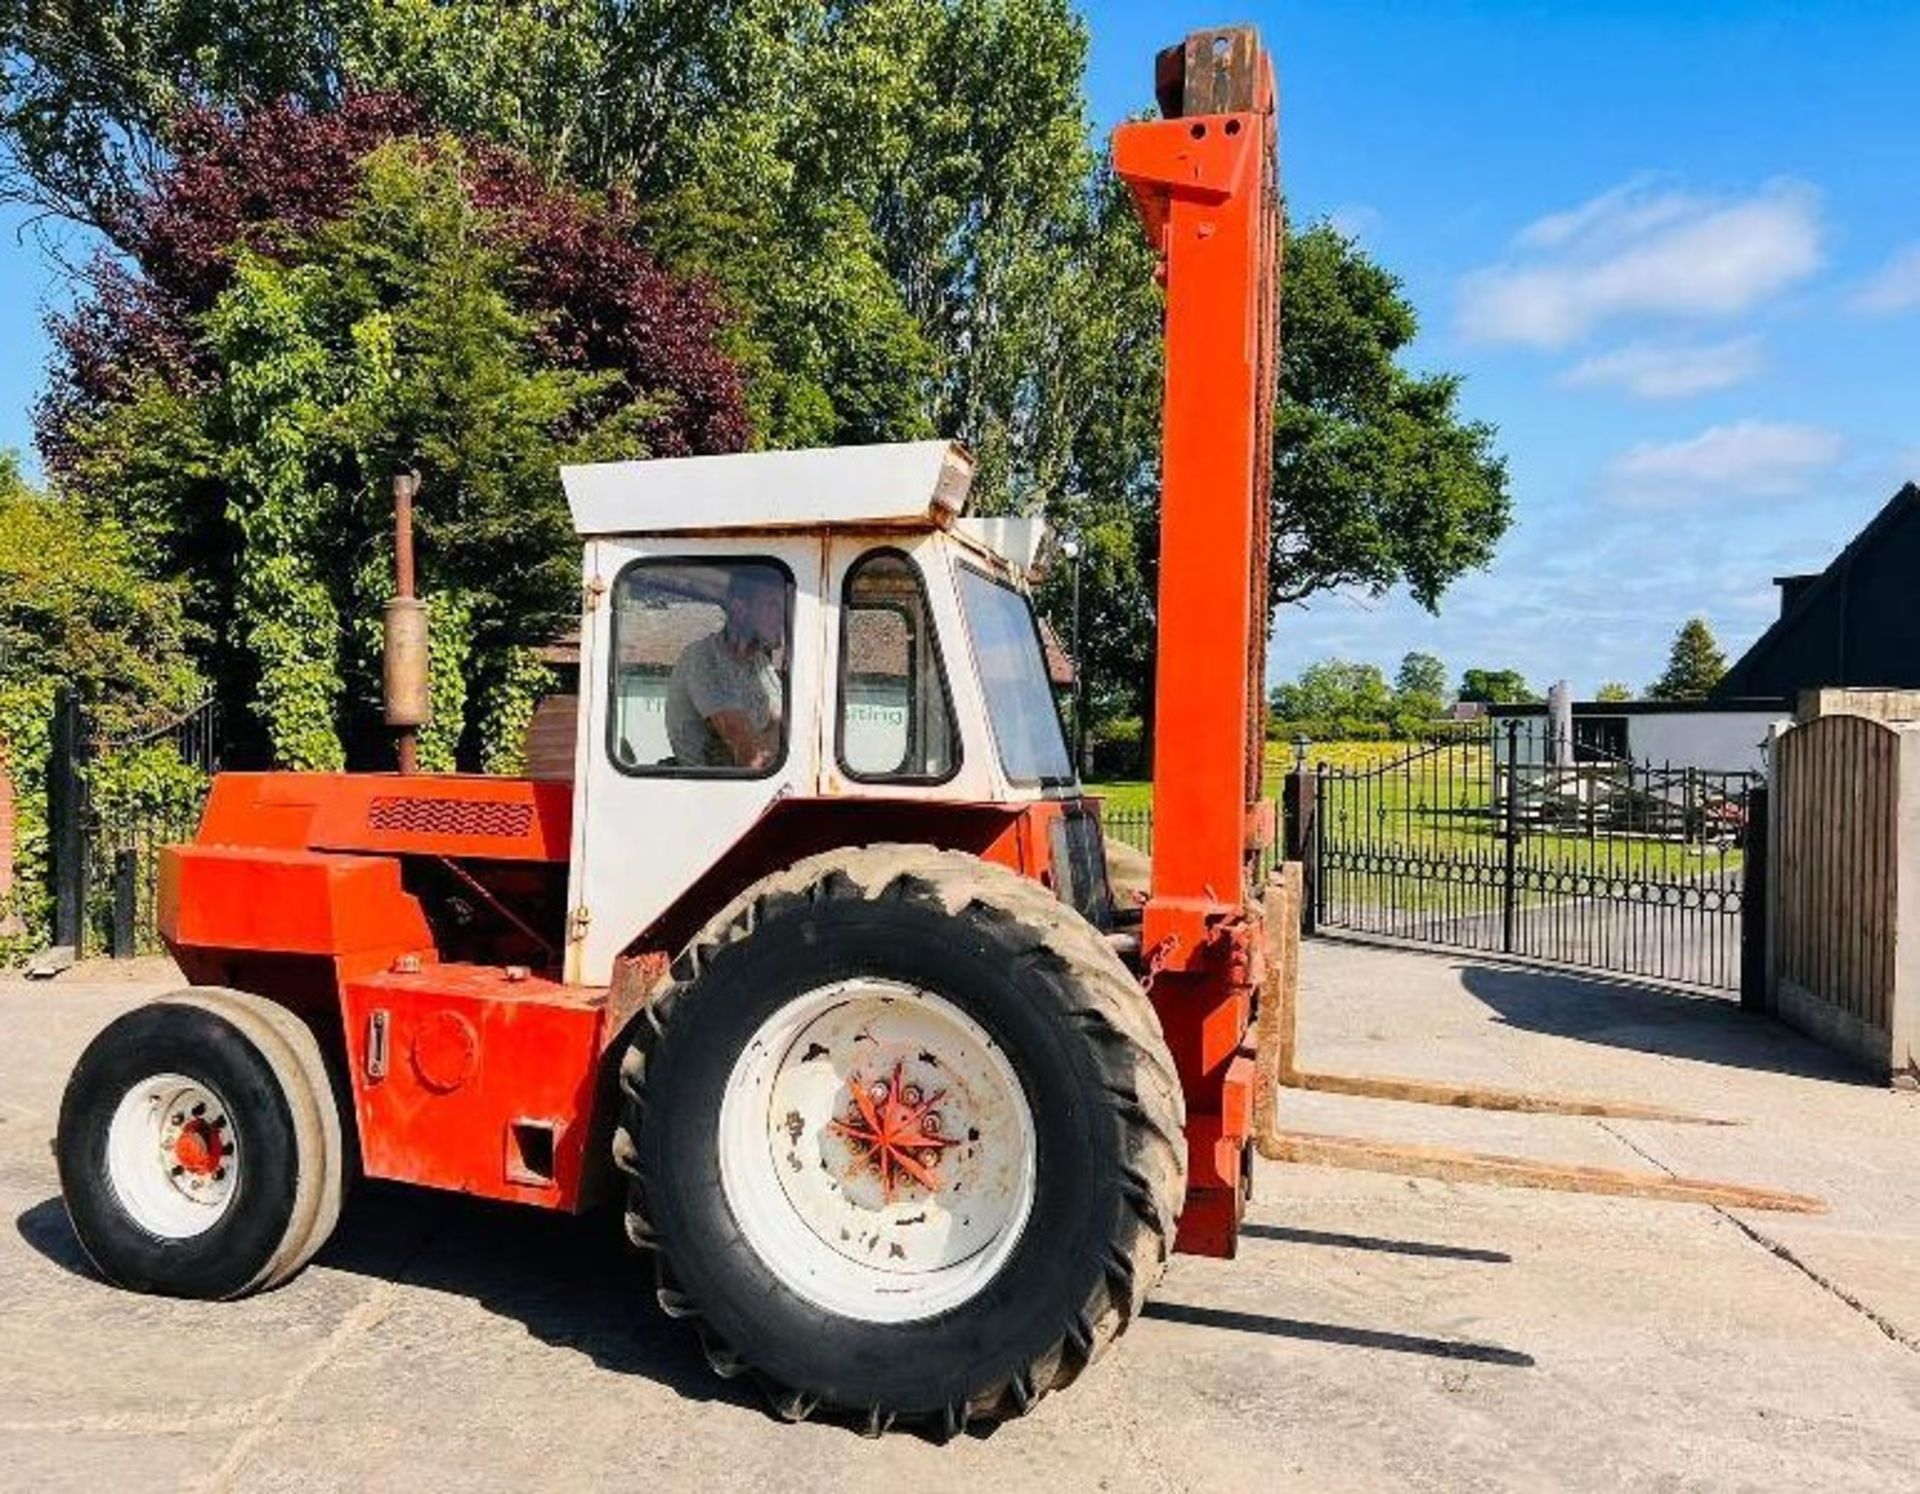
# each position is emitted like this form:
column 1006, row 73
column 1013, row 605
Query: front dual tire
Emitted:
column 200, row 1148
column 905, row 1137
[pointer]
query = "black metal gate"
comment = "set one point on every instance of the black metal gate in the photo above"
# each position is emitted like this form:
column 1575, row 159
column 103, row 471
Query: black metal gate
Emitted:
column 113, row 803
column 1495, row 840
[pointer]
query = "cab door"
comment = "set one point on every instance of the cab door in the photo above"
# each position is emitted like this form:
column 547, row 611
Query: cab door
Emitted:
column 693, row 720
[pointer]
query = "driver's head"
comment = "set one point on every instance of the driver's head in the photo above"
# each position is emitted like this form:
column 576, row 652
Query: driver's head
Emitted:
column 756, row 606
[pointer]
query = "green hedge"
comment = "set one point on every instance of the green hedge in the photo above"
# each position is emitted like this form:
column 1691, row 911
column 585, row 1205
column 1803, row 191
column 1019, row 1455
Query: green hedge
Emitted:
column 26, row 737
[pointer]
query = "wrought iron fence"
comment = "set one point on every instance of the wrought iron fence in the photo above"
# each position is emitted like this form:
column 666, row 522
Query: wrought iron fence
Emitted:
column 1134, row 827
column 113, row 803
column 1130, row 827
column 143, row 792
column 1497, row 842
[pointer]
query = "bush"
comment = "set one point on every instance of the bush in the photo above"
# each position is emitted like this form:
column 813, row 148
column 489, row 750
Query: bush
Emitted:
column 1330, row 729
column 1118, row 749
column 26, row 720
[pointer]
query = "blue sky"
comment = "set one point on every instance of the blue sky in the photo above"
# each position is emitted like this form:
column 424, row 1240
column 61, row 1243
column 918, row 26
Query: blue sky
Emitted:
column 1674, row 249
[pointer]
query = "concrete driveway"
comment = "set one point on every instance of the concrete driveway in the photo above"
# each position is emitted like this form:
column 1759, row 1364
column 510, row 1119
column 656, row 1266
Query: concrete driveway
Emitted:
column 1376, row 1333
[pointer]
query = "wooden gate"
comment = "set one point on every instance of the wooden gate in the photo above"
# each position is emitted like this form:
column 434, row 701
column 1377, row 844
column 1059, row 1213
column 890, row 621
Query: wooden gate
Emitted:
column 1844, row 906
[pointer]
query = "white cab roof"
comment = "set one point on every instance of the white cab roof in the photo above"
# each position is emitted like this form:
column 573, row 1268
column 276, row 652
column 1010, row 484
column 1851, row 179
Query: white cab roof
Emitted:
column 915, row 484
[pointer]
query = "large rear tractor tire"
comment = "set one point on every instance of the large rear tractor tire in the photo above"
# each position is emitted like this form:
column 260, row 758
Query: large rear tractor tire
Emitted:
column 200, row 1147
column 905, row 1137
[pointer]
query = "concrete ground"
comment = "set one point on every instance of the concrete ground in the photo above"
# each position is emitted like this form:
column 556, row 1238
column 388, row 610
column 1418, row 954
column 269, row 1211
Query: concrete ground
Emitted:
column 1376, row 1333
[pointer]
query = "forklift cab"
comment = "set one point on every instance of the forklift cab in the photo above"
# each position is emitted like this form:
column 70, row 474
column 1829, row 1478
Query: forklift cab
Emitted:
column 815, row 625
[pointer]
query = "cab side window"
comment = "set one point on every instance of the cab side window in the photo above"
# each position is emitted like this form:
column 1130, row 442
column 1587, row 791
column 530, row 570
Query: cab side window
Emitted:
column 700, row 668
column 896, row 714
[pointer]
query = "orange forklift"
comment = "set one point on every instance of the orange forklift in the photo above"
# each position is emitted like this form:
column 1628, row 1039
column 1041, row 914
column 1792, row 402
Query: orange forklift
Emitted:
column 814, row 963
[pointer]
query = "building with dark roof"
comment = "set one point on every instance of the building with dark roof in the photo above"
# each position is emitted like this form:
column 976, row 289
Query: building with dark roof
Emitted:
column 1857, row 623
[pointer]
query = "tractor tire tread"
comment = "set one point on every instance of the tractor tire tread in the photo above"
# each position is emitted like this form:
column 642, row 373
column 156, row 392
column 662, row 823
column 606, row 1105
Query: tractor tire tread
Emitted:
column 1110, row 1009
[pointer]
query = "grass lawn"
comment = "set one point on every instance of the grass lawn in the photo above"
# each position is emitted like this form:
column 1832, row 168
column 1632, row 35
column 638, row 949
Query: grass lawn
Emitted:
column 1125, row 797
column 1132, row 795
column 1439, row 808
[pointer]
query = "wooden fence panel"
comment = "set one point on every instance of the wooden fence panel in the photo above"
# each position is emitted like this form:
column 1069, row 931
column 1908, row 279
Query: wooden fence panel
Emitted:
column 1836, row 887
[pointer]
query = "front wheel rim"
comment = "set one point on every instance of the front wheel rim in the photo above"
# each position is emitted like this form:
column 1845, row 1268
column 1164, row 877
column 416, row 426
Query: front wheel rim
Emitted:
column 877, row 1150
column 173, row 1155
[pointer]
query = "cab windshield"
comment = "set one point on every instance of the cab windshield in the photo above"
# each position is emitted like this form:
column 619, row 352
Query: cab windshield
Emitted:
column 1013, row 674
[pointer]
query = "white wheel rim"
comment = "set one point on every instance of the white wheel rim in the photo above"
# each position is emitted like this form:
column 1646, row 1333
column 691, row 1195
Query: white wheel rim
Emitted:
column 797, row 1151
column 173, row 1155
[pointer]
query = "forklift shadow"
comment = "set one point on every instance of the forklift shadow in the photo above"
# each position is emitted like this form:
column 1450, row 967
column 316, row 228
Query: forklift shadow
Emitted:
column 1647, row 1019
column 571, row 1282
column 1304, row 1331
column 575, row 1283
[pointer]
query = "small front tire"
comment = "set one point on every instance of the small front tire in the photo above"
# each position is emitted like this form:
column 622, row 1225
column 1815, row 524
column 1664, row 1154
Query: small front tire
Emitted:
column 199, row 1156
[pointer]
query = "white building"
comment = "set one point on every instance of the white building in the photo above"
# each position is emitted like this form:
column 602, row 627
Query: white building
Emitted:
column 1716, row 736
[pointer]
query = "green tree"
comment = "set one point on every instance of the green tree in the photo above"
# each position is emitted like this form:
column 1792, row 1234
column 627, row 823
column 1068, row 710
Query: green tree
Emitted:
column 1378, row 480
column 388, row 336
column 77, row 610
column 888, row 191
column 1419, row 691
column 1614, row 691
column 1334, row 698
column 76, row 607
column 1496, row 687
column 611, row 90
column 1430, row 496
column 1421, row 674
column 1694, row 664
column 1105, row 410
column 985, row 224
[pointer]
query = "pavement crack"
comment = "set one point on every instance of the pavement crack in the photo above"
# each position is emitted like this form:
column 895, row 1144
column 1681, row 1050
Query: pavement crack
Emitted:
column 1785, row 1252
column 368, row 1312
column 1782, row 1251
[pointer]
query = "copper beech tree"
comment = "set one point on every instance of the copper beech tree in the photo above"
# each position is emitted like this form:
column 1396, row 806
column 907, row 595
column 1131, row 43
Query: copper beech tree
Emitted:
column 305, row 301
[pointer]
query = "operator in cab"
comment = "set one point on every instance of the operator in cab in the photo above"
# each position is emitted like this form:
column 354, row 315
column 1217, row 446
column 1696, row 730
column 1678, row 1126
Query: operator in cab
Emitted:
column 724, row 697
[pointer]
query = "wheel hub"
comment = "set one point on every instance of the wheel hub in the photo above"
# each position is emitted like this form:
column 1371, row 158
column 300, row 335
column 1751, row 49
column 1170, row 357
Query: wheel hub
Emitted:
column 877, row 1149
column 895, row 1132
column 198, row 1149
column 173, row 1155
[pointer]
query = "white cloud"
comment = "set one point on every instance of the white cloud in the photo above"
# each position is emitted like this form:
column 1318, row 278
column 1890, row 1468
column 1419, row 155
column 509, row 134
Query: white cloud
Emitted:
column 1754, row 457
column 1632, row 252
column 1615, row 215
column 1669, row 371
column 1894, row 288
column 1356, row 220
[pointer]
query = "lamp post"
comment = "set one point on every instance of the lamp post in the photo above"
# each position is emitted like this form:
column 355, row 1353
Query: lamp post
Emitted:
column 1070, row 547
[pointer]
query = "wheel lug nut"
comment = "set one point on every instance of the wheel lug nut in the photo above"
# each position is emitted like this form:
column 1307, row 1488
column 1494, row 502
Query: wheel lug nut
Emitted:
column 911, row 1094
column 930, row 1157
column 179, row 1118
column 930, row 1123
column 877, row 1092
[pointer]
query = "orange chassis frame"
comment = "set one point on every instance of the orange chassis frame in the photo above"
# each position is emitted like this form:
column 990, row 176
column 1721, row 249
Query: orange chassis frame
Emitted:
column 484, row 1079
